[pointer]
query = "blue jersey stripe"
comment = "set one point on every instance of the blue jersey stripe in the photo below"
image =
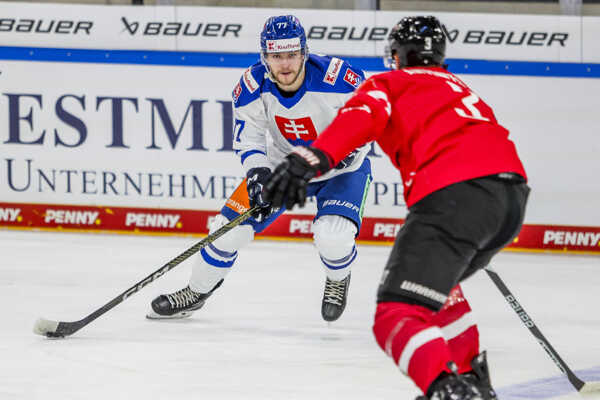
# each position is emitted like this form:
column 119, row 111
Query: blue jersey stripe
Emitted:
column 249, row 153
column 242, row 60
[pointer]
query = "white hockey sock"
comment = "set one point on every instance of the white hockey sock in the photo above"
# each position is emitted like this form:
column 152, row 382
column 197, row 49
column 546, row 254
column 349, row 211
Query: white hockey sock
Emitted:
column 205, row 276
column 215, row 260
column 336, row 273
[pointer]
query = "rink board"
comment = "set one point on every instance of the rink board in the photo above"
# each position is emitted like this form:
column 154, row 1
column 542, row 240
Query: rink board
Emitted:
column 560, row 38
column 375, row 230
column 118, row 119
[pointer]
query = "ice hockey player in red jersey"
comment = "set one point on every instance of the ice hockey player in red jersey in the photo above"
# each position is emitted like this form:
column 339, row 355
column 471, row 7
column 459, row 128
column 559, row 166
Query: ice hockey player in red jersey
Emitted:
column 465, row 189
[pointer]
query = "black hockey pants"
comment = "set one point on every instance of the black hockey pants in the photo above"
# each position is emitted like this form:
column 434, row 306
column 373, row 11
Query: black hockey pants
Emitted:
column 449, row 235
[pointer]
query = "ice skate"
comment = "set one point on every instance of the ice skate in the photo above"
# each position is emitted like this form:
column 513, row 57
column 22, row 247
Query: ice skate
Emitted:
column 452, row 387
column 480, row 376
column 334, row 298
column 180, row 304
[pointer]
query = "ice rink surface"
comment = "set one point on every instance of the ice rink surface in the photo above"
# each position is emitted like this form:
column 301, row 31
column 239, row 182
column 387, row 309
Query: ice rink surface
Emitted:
column 261, row 335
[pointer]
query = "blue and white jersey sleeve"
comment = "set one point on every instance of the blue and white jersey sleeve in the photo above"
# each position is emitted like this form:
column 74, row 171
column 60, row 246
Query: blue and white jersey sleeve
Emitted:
column 250, row 127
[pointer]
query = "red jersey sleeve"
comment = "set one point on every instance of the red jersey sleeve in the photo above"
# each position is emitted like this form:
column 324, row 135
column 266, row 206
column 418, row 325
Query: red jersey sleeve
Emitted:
column 361, row 120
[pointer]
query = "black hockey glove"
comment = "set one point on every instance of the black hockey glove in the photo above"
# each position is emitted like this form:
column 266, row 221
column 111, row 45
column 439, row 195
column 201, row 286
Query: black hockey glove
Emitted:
column 288, row 182
column 255, row 180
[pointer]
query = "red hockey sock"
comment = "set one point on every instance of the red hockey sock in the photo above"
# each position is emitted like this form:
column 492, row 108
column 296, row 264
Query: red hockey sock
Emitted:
column 405, row 332
column 460, row 330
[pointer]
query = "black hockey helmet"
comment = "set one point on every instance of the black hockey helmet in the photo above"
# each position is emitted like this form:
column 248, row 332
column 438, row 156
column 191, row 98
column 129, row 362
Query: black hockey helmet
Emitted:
column 419, row 40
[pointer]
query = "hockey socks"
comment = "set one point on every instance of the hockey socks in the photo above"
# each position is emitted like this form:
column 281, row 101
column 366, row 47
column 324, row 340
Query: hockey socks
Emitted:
column 418, row 347
column 459, row 328
column 421, row 342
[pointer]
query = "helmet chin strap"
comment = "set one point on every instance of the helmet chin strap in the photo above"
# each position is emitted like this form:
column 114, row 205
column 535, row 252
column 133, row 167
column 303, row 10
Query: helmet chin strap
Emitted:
column 397, row 61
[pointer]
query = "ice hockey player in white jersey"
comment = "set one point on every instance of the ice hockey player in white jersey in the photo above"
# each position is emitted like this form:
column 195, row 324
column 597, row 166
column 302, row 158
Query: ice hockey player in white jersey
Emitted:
column 283, row 101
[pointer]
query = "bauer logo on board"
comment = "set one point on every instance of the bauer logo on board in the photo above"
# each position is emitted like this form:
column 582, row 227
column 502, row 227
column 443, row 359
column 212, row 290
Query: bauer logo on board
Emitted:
column 180, row 28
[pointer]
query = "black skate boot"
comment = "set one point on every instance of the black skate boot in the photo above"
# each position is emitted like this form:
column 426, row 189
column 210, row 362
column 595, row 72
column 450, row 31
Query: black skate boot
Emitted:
column 480, row 376
column 180, row 304
column 334, row 298
column 452, row 387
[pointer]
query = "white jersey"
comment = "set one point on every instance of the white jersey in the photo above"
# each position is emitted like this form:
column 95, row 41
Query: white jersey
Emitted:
column 267, row 124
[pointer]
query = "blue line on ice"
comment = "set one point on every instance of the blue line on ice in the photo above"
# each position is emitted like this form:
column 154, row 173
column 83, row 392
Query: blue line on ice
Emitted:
column 546, row 388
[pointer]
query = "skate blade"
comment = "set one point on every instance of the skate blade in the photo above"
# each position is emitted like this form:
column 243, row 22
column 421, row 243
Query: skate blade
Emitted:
column 180, row 315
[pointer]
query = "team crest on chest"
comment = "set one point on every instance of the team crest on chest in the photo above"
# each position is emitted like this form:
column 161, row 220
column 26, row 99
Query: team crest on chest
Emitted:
column 296, row 130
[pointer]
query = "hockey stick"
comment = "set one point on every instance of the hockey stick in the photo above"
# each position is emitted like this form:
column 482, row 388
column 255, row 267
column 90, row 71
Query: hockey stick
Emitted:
column 56, row 329
column 581, row 386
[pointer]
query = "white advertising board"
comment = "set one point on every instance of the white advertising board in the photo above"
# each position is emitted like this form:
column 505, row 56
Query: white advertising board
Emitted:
column 127, row 136
column 160, row 137
column 339, row 32
column 591, row 32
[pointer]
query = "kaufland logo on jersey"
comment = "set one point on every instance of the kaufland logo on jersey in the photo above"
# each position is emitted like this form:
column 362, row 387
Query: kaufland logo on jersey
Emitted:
column 573, row 238
column 249, row 81
column 10, row 215
column 333, row 71
column 152, row 220
column 281, row 45
column 71, row 217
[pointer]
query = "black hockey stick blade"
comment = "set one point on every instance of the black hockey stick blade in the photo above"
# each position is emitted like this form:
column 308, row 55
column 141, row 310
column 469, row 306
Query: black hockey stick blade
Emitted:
column 59, row 329
column 581, row 386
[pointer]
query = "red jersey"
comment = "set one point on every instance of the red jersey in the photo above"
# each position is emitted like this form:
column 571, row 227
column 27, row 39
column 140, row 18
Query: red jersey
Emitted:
column 434, row 129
